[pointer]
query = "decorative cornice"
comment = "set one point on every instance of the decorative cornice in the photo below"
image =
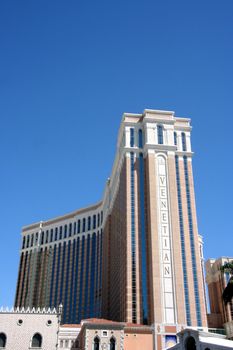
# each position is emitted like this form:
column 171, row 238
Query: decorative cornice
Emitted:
column 28, row 310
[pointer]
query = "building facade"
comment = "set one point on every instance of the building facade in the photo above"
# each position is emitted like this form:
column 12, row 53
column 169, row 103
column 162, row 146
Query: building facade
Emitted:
column 220, row 313
column 29, row 329
column 97, row 334
column 61, row 263
column 135, row 256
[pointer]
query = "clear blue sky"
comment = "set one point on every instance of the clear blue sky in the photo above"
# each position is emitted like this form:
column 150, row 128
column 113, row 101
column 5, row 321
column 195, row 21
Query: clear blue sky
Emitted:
column 68, row 71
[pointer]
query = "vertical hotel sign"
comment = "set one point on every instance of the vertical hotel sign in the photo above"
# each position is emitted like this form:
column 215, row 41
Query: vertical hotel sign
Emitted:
column 165, row 242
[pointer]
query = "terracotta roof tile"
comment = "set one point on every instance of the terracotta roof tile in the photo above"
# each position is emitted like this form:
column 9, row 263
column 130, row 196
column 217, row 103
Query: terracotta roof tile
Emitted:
column 71, row 325
column 100, row 321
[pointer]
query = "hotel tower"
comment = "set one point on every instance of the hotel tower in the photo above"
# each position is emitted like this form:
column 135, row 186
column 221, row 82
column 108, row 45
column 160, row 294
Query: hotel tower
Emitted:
column 135, row 255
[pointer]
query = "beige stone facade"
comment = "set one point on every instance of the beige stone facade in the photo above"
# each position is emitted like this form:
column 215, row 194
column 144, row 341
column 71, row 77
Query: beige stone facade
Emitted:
column 20, row 326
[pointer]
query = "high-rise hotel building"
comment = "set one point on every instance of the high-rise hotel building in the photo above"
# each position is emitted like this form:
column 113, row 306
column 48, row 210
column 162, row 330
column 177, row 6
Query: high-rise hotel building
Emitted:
column 135, row 255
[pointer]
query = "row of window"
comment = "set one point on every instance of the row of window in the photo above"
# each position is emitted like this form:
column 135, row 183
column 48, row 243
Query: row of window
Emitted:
column 192, row 243
column 65, row 343
column 160, row 137
column 36, row 341
column 133, row 242
column 52, row 235
column 182, row 239
column 144, row 276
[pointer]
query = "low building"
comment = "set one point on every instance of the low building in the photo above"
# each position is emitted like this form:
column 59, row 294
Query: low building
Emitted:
column 29, row 328
column 220, row 313
column 190, row 339
column 67, row 336
column 101, row 334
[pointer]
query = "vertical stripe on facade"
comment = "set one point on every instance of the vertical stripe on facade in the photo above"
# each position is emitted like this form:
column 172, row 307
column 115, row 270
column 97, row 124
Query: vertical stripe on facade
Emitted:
column 62, row 273
column 23, row 280
column 133, row 243
column 52, row 276
column 144, row 277
column 66, row 282
column 192, row 244
column 87, row 289
column 80, row 303
column 19, row 278
column 97, row 275
column 72, row 282
column 182, row 239
column 56, row 301
column 76, row 282
column 100, row 274
column 92, row 276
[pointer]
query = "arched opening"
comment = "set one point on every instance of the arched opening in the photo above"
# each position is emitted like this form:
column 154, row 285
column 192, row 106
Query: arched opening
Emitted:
column 96, row 343
column 190, row 344
column 112, row 344
column 160, row 134
column 2, row 340
column 36, row 341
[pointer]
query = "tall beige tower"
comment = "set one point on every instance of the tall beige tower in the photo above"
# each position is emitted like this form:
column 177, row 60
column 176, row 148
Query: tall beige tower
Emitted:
column 152, row 264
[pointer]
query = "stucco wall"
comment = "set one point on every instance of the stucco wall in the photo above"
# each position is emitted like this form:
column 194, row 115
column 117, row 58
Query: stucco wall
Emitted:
column 20, row 336
column 138, row 341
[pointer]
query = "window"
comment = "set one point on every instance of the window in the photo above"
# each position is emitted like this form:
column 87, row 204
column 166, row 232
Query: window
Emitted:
column 47, row 236
column 56, row 230
column 65, row 232
column 79, row 226
column 96, row 343
column 184, row 146
column 60, row 234
column 2, row 340
column 70, row 229
column 42, row 238
column 36, row 341
column 140, row 140
column 98, row 220
column 51, row 235
column 23, row 245
column 160, row 134
column 74, row 228
column 131, row 137
column 94, row 221
column 112, row 344
column 32, row 239
column 89, row 223
column 175, row 138
column 84, row 224
column 28, row 239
